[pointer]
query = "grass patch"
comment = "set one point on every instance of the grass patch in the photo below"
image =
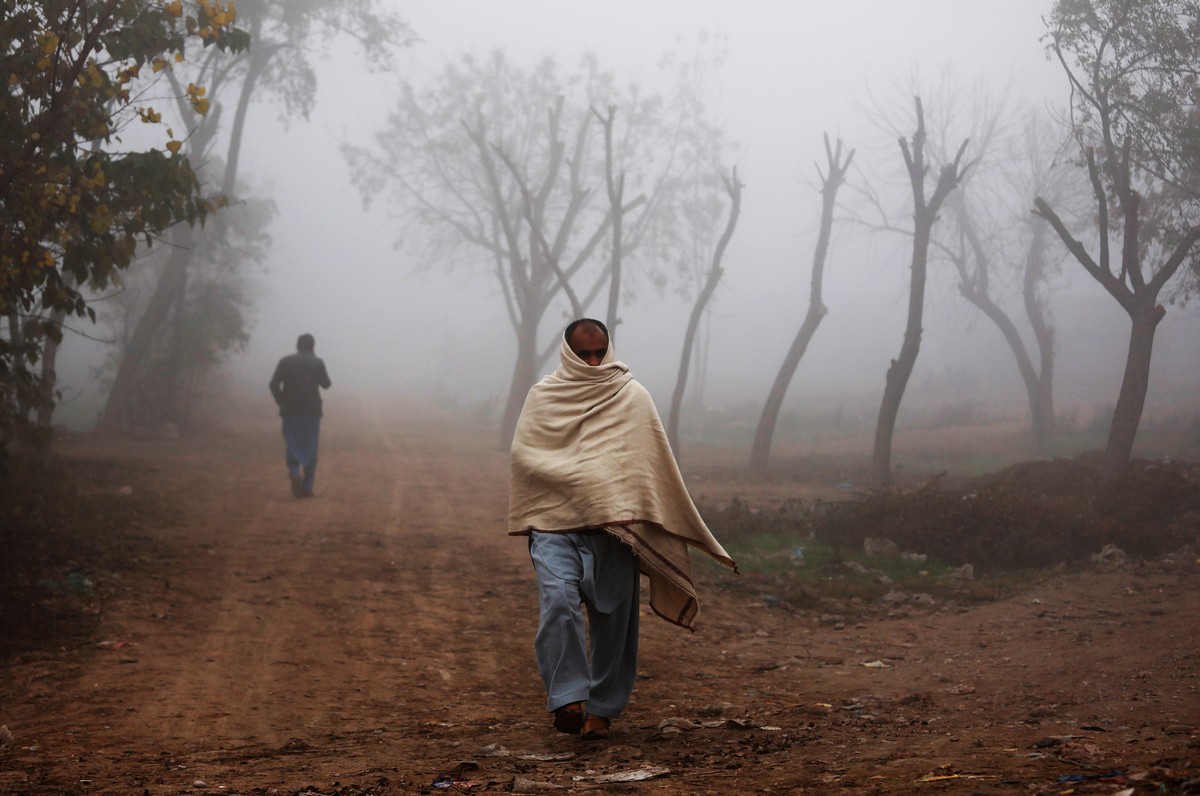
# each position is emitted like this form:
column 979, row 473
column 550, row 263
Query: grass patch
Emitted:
column 784, row 544
column 1008, row 526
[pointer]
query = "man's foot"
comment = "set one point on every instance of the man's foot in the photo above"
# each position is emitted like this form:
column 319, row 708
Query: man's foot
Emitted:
column 297, row 486
column 569, row 718
column 595, row 728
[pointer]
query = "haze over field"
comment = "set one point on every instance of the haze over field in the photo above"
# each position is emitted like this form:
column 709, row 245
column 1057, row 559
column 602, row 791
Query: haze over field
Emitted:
column 386, row 321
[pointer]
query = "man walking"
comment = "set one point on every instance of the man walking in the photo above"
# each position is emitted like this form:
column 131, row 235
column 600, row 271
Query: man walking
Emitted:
column 595, row 487
column 296, row 386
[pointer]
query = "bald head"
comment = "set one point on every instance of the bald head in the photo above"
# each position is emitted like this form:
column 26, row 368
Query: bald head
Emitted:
column 588, row 339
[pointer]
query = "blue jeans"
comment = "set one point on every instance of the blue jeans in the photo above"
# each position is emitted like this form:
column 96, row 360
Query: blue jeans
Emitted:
column 300, row 434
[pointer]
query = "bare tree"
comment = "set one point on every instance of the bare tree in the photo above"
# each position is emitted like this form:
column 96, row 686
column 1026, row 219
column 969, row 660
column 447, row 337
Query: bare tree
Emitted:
column 1133, row 67
column 975, row 265
column 998, row 250
column 502, row 160
column 925, row 213
column 832, row 178
column 992, row 237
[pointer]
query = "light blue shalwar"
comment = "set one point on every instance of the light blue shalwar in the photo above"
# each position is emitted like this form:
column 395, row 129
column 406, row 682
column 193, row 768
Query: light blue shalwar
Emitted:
column 598, row 570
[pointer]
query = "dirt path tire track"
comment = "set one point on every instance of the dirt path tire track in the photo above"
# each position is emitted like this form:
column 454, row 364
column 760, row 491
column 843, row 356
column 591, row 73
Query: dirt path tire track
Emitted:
column 290, row 626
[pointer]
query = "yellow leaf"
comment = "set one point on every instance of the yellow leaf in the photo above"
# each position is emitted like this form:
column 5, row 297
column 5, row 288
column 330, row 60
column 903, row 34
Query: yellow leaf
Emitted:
column 174, row 146
column 158, row 65
column 175, row 8
column 101, row 220
column 201, row 106
column 178, row 58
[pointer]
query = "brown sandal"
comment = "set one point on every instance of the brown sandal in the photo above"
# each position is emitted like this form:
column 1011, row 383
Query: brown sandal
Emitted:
column 595, row 728
column 569, row 718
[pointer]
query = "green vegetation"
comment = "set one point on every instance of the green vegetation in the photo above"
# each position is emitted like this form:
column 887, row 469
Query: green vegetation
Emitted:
column 1024, row 519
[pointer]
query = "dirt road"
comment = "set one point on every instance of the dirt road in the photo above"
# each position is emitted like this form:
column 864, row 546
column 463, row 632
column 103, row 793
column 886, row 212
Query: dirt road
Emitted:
column 378, row 639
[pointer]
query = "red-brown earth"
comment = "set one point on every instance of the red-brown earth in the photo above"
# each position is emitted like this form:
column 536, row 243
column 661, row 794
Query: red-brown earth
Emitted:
column 378, row 639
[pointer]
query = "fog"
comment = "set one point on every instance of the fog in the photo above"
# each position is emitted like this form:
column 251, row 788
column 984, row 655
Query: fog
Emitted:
column 794, row 70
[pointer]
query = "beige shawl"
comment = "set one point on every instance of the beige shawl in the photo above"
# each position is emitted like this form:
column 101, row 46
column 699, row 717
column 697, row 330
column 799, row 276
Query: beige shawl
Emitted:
column 590, row 452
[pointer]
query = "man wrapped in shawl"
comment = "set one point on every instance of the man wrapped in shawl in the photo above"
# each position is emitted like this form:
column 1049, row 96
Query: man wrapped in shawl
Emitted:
column 596, row 489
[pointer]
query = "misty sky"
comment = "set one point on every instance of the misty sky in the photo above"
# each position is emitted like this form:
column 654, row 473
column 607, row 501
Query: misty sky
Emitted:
column 793, row 71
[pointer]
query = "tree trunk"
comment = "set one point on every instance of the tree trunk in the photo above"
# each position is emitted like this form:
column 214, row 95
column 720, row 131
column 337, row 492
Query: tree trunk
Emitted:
column 1029, row 374
column 120, row 399
column 685, row 359
column 16, row 335
column 710, row 285
column 1132, row 399
column 924, row 215
column 1042, row 404
column 974, row 287
column 174, row 368
column 49, row 378
column 902, row 367
column 614, row 289
column 760, row 452
column 701, row 357
column 523, row 377
column 616, row 201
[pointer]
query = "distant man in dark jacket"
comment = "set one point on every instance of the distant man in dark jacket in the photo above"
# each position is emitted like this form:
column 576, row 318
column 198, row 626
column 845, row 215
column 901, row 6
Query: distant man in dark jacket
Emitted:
column 296, row 387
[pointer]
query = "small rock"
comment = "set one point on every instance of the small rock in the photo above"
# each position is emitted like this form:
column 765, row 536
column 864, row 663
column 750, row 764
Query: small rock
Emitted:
column 1109, row 558
column 880, row 548
column 637, row 775
column 492, row 750
column 965, row 572
column 548, row 757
